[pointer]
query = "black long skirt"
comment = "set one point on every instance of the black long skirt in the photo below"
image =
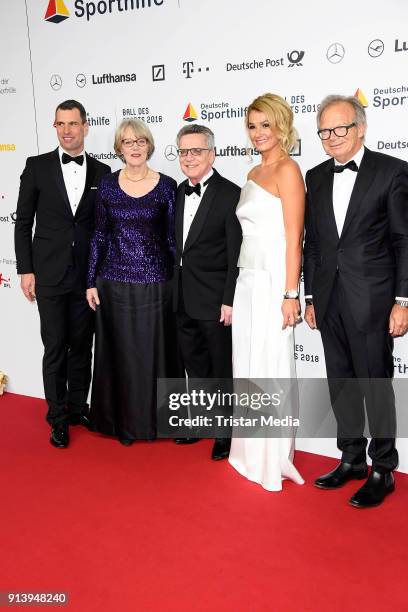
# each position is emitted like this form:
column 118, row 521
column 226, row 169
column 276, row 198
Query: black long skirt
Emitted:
column 135, row 343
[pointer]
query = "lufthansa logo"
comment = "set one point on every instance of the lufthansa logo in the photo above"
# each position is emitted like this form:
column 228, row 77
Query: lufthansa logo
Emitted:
column 170, row 152
column 376, row 48
column 55, row 82
column 335, row 53
column 80, row 80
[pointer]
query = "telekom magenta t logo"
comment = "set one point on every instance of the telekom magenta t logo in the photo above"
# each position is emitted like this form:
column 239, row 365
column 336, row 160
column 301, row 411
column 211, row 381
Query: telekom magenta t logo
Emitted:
column 56, row 11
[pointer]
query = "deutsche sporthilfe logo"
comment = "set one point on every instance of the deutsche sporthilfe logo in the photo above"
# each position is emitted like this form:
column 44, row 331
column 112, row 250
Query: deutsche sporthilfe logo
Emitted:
column 56, row 11
column 361, row 97
column 190, row 114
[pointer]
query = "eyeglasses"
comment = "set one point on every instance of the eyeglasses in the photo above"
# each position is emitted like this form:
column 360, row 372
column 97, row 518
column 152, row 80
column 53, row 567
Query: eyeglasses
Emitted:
column 129, row 142
column 341, row 131
column 195, row 151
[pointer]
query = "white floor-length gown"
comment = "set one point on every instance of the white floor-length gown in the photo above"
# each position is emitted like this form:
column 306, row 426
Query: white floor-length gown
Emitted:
column 261, row 349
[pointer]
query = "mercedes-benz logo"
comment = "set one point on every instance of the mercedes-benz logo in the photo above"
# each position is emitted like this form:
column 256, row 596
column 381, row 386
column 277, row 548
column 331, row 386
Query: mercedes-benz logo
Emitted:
column 335, row 53
column 80, row 80
column 55, row 82
column 376, row 48
column 170, row 152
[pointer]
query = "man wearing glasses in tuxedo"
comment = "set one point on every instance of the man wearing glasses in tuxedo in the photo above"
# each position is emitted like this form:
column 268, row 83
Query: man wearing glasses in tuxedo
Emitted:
column 356, row 290
column 208, row 240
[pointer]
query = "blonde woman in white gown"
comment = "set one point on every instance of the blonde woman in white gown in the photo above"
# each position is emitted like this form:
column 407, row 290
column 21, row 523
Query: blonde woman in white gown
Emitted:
column 271, row 213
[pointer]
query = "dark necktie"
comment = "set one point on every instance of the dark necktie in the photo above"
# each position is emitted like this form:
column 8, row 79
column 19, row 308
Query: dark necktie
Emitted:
column 193, row 189
column 189, row 189
column 67, row 158
column 351, row 165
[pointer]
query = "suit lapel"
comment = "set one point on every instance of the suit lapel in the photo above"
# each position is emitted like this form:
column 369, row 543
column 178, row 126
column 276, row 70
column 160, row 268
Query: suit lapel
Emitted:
column 363, row 180
column 90, row 176
column 325, row 197
column 59, row 178
column 180, row 198
column 202, row 212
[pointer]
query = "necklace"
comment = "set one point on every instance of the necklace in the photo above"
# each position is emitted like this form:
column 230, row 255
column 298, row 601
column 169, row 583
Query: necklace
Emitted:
column 135, row 180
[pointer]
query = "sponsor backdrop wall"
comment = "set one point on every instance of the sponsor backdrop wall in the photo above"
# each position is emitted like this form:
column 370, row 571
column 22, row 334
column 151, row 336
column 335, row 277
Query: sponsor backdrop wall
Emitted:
column 172, row 61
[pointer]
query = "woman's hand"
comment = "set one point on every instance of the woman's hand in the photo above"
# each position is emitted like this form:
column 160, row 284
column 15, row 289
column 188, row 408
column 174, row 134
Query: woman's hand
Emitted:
column 92, row 297
column 291, row 312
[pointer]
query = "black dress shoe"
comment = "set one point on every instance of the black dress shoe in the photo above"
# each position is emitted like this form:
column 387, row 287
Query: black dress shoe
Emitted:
column 374, row 490
column 126, row 441
column 186, row 440
column 221, row 449
column 80, row 419
column 340, row 475
column 60, row 436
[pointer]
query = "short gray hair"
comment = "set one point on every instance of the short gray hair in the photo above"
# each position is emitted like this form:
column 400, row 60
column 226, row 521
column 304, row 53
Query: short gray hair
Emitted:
column 360, row 114
column 197, row 129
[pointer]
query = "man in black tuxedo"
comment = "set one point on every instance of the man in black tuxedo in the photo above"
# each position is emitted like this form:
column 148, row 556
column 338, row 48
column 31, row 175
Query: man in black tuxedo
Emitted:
column 356, row 288
column 208, row 240
column 58, row 190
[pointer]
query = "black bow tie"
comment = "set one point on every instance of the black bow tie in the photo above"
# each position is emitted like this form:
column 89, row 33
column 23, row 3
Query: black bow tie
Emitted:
column 67, row 158
column 193, row 189
column 351, row 165
column 189, row 189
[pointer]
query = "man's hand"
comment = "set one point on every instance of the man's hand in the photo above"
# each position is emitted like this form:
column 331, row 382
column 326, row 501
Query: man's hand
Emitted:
column 92, row 297
column 398, row 324
column 310, row 317
column 27, row 284
column 226, row 315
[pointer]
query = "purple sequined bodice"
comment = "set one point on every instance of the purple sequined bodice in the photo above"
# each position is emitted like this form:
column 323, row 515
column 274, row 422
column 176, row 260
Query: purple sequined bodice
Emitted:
column 133, row 241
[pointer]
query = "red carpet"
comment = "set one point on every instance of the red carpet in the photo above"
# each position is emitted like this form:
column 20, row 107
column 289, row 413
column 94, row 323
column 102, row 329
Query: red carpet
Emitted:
column 157, row 527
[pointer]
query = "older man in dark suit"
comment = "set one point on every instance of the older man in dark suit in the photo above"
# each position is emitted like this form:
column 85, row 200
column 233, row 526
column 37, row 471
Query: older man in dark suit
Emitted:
column 208, row 239
column 58, row 191
column 356, row 290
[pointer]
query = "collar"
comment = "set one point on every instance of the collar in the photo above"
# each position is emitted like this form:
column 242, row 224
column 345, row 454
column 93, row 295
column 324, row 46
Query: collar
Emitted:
column 61, row 151
column 204, row 179
column 357, row 158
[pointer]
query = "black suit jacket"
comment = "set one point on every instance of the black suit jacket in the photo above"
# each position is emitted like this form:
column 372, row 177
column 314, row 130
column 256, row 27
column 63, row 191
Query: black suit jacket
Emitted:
column 211, row 250
column 60, row 238
column 371, row 255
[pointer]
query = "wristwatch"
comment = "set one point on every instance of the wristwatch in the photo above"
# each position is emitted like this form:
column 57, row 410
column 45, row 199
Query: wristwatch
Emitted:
column 291, row 294
column 403, row 303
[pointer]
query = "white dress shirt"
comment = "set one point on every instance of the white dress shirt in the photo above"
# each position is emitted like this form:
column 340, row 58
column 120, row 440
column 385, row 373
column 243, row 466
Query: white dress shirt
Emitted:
column 191, row 204
column 343, row 185
column 74, row 179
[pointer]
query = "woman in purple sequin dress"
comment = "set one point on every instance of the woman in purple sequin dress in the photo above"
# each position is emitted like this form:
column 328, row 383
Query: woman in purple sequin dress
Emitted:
column 130, row 267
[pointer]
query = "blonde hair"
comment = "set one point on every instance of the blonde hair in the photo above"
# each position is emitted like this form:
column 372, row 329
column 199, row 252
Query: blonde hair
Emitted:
column 140, row 130
column 279, row 115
